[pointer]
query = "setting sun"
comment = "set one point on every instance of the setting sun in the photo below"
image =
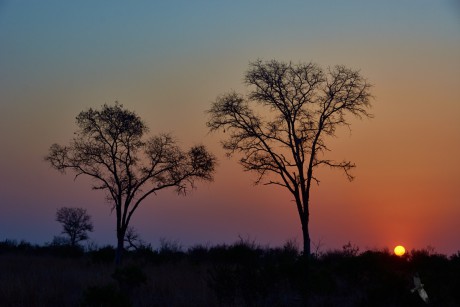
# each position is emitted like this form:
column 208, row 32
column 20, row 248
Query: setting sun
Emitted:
column 399, row 250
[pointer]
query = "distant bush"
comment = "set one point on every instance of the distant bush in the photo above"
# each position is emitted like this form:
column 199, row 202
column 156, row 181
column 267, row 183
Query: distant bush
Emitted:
column 144, row 252
column 170, row 251
column 65, row 251
column 8, row 245
column 198, row 254
column 105, row 254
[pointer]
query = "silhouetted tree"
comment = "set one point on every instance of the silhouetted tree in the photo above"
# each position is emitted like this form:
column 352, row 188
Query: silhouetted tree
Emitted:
column 76, row 223
column 133, row 240
column 109, row 147
column 280, row 127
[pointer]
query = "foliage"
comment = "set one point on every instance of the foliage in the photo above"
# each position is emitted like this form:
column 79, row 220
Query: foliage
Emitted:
column 76, row 223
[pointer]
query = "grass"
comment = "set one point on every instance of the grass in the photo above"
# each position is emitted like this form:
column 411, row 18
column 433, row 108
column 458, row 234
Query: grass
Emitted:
column 241, row 274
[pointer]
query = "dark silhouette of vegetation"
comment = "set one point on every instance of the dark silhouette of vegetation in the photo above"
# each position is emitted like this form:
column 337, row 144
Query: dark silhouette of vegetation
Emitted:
column 105, row 254
column 104, row 296
column 109, row 147
column 281, row 126
column 76, row 223
column 239, row 274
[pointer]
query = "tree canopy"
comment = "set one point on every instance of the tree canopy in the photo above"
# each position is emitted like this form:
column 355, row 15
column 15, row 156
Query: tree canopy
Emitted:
column 281, row 126
column 110, row 147
column 76, row 223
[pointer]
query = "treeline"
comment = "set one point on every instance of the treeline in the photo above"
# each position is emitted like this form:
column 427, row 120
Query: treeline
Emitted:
column 239, row 274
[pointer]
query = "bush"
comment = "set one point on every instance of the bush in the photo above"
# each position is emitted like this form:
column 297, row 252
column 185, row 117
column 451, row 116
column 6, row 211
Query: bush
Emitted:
column 170, row 251
column 8, row 245
column 105, row 254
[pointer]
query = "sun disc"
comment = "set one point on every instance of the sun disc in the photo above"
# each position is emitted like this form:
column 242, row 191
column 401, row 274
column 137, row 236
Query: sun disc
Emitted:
column 399, row 250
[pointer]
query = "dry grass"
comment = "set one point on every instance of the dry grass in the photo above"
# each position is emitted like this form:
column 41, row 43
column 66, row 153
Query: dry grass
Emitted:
column 42, row 280
column 45, row 280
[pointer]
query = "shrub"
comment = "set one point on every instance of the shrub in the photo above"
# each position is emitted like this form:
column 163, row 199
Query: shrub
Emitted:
column 105, row 254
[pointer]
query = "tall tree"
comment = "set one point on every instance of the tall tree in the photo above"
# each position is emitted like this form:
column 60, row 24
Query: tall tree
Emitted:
column 281, row 126
column 76, row 223
column 109, row 147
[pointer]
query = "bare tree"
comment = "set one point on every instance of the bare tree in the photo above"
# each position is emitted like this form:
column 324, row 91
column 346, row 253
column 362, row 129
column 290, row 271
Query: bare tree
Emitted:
column 132, row 239
column 109, row 147
column 76, row 223
column 281, row 126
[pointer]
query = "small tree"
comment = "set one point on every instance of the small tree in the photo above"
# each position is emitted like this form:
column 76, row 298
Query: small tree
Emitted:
column 110, row 148
column 281, row 127
column 76, row 223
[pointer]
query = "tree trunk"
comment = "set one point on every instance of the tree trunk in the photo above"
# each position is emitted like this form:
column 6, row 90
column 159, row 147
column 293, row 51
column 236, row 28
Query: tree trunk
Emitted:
column 120, row 248
column 306, row 239
column 72, row 241
column 304, row 216
column 304, row 220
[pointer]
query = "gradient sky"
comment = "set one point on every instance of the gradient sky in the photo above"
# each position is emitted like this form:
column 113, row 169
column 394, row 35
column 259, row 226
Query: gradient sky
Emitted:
column 168, row 60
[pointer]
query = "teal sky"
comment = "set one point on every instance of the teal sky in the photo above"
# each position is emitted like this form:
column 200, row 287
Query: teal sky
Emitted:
column 168, row 60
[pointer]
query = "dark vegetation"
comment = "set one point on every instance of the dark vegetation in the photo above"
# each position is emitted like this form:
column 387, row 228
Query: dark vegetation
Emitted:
column 241, row 274
column 111, row 147
column 76, row 223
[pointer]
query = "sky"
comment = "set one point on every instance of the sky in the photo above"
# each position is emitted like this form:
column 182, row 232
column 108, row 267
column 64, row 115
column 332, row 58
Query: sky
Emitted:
column 169, row 60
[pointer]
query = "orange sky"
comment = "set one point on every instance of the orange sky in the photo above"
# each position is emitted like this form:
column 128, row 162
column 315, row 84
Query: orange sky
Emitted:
column 168, row 62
